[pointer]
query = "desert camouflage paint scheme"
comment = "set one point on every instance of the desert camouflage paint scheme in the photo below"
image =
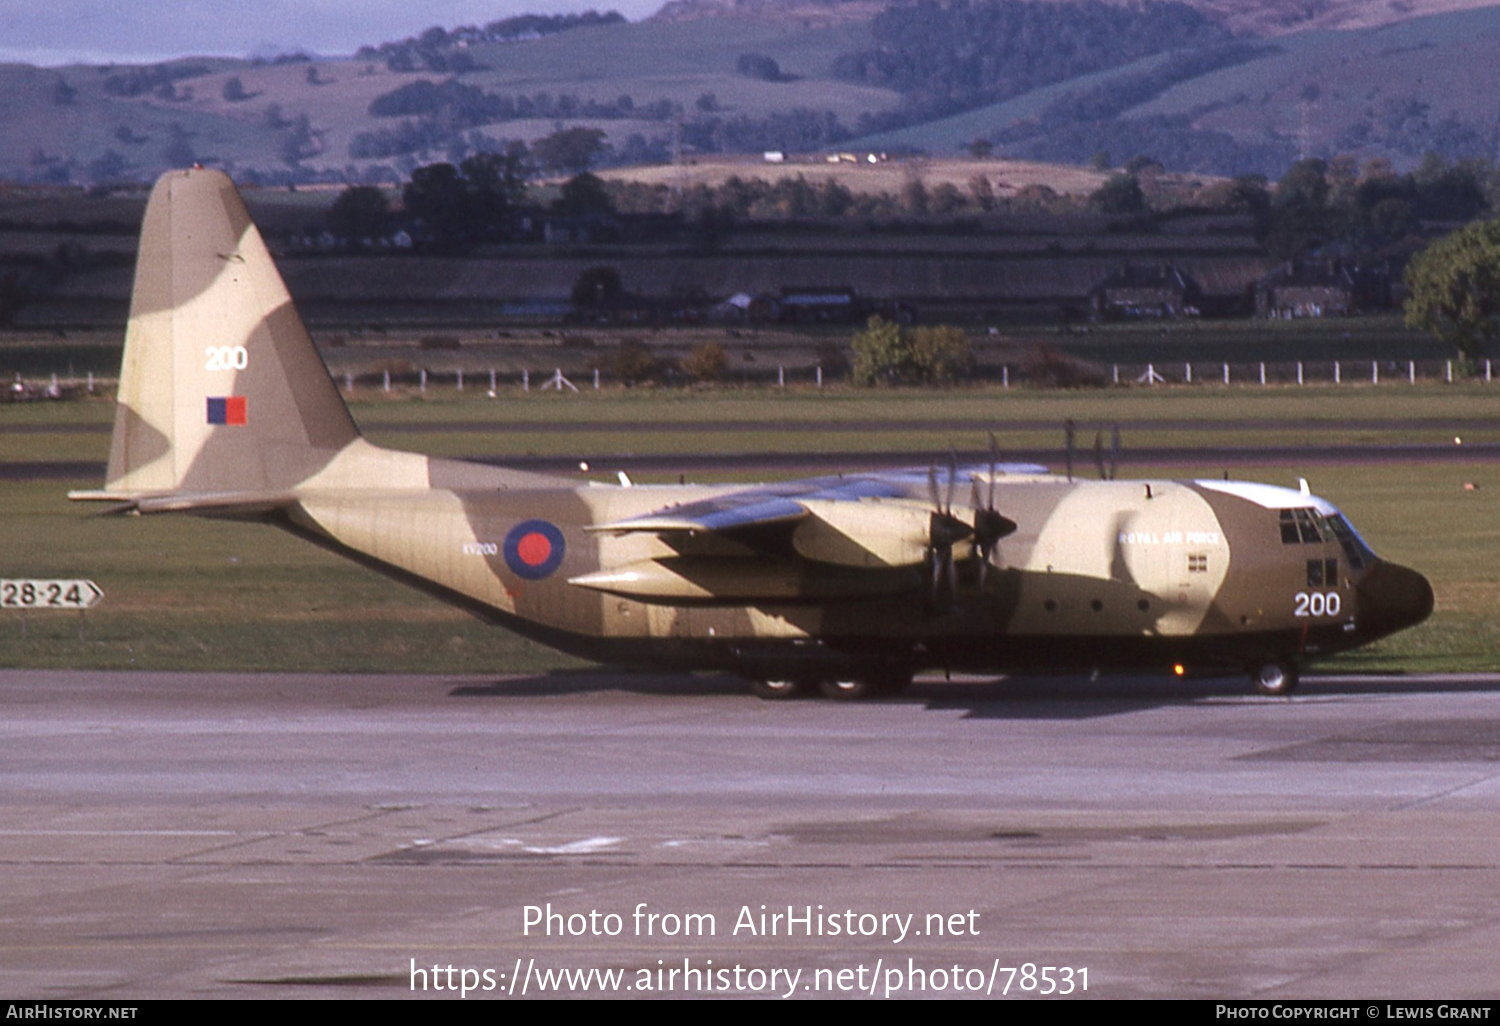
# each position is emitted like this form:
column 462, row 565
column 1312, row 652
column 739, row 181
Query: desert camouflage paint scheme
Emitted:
column 850, row 583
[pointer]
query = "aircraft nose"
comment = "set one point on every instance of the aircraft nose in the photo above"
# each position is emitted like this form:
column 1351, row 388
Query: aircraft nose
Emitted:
column 1393, row 597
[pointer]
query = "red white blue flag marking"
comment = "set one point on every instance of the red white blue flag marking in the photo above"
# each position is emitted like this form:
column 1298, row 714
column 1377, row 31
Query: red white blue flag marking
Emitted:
column 227, row 409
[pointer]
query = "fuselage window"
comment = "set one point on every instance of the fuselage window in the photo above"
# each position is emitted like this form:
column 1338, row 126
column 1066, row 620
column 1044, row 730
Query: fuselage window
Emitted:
column 1322, row 573
column 1197, row 563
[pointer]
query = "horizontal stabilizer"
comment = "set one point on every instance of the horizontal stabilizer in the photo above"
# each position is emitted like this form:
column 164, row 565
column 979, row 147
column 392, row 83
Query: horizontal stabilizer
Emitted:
column 228, row 504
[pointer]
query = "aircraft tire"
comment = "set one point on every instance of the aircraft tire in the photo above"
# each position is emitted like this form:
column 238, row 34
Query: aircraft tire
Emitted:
column 1275, row 677
column 778, row 690
column 881, row 685
column 848, row 690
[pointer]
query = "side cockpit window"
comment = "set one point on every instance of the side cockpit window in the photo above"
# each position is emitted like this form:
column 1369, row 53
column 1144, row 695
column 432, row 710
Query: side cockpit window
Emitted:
column 1355, row 549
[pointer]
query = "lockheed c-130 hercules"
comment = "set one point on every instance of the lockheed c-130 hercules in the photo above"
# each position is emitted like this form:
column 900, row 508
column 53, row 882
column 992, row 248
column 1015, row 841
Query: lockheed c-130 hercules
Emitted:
column 849, row 584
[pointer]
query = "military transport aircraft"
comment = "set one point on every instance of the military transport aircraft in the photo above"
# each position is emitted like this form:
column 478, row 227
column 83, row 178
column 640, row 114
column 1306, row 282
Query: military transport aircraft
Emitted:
column 848, row 584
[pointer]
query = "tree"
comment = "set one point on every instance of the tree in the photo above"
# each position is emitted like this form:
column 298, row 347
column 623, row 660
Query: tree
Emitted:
column 570, row 149
column 946, row 199
column 298, row 141
column 634, row 363
column 496, row 185
column 584, row 195
column 756, row 65
column 1391, row 220
column 1248, row 193
column 1454, row 288
column 473, row 201
column 706, row 362
column 1120, row 194
column 940, row 355
column 881, row 356
column 234, row 90
column 886, row 355
column 1304, row 185
column 439, row 197
column 914, row 196
column 983, row 192
column 360, row 212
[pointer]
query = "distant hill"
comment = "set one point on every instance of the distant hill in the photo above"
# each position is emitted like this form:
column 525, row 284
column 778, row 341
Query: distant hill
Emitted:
column 1235, row 86
column 1275, row 17
column 1254, row 17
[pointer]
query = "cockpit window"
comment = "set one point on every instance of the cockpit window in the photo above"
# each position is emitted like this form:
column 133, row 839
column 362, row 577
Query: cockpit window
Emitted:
column 1289, row 535
column 1304, row 527
column 1307, row 527
column 1355, row 549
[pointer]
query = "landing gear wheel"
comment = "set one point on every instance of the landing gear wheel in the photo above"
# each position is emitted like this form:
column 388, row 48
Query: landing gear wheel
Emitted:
column 777, row 690
column 1274, row 678
column 880, row 685
column 847, row 690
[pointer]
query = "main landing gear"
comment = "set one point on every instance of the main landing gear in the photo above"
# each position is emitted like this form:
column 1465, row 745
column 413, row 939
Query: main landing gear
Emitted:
column 884, row 684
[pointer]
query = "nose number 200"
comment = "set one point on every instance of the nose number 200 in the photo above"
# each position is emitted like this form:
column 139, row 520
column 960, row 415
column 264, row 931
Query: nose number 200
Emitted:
column 1317, row 603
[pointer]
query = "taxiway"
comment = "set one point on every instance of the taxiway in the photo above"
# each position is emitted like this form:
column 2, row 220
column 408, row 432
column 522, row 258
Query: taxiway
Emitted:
column 184, row 835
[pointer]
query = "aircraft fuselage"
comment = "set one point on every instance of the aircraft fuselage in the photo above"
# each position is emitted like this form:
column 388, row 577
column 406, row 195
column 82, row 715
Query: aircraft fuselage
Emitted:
column 1151, row 574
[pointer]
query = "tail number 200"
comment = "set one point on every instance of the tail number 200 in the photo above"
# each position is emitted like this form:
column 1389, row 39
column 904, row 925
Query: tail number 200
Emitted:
column 1317, row 603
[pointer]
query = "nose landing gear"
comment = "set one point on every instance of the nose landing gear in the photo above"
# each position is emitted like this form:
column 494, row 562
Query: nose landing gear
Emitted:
column 1275, row 677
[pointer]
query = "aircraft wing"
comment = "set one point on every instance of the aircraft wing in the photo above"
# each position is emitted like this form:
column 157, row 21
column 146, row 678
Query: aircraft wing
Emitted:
column 847, row 536
column 765, row 505
column 792, row 501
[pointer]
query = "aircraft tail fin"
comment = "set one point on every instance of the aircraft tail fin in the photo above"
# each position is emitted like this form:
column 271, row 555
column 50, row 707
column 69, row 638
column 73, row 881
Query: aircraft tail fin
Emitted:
column 221, row 389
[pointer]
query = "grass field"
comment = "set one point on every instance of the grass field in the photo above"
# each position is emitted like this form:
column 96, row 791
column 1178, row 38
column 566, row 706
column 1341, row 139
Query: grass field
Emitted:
column 191, row 594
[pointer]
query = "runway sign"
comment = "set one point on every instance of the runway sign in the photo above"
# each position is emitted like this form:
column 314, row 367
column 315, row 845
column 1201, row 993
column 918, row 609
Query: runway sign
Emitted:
column 21, row 594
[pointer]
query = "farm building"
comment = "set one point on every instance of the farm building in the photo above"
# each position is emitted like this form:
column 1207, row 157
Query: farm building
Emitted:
column 1160, row 290
column 1316, row 288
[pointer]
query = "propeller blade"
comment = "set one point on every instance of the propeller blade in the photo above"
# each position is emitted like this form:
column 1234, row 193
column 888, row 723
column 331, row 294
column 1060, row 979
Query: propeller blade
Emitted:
column 1114, row 452
column 1068, row 431
column 994, row 469
column 1099, row 454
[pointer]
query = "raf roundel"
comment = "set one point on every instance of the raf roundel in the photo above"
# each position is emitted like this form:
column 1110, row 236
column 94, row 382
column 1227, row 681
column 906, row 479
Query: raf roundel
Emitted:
column 534, row 549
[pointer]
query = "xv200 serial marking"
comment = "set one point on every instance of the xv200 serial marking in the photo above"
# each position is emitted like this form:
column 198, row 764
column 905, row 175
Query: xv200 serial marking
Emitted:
column 849, row 583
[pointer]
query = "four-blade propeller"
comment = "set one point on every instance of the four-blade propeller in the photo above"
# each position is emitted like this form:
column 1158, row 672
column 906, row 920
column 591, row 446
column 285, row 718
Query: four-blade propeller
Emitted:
column 945, row 530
